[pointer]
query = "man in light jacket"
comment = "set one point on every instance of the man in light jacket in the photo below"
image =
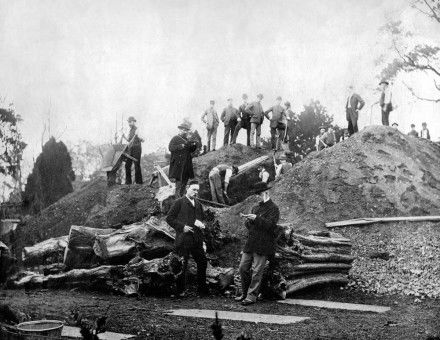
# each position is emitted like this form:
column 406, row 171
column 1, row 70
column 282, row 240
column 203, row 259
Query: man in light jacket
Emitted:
column 256, row 113
column 210, row 119
column 229, row 117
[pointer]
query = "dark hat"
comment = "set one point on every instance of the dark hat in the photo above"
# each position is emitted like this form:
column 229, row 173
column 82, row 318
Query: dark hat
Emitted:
column 279, row 98
column 412, row 125
column 383, row 81
column 395, row 124
column 193, row 182
column 287, row 104
column 261, row 187
column 244, row 96
column 131, row 119
column 260, row 96
column 424, row 124
column 211, row 102
column 184, row 126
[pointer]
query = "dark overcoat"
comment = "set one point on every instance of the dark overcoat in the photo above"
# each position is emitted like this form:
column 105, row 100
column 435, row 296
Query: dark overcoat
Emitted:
column 181, row 166
column 263, row 230
column 184, row 213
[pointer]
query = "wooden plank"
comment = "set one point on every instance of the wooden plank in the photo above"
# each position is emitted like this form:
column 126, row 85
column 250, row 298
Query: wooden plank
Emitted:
column 74, row 333
column 238, row 316
column 336, row 305
column 363, row 221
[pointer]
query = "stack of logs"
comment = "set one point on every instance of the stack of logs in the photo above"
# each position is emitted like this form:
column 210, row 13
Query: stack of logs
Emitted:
column 317, row 258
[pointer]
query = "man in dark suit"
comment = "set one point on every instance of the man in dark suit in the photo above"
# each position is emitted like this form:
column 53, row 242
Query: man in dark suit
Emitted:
column 135, row 151
column 181, row 166
column 260, row 245
column 277, row 123
column 186, row 216
column 229, row 117
column 244, row 122
column 352, row 107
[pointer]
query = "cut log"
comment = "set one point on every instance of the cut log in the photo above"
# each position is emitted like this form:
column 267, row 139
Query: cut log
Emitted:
column 321, row 266
column 46, row 252
column 152, row 239
column 312, row 250
column 79, row 251
column 328, row 257
column 309, row 281
column 322, row 241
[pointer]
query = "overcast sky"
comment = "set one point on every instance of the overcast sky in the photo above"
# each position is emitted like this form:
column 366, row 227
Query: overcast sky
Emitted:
column 90, row 62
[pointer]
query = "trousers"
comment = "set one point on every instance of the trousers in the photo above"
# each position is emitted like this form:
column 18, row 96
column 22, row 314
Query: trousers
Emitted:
column 215, row 183
column 242, row 125
column 277, row 135
column 212, row 138
column 229, row 131
column 255, row 130
column 352, row 117
column 385, row 116
column 251, row 272
column 136, row 152
column 199, row 257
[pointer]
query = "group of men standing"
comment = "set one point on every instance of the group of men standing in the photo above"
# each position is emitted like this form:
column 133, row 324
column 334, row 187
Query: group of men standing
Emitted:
column 249, row 116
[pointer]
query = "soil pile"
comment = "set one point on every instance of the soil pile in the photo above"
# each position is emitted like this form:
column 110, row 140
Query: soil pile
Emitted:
column 377, row 172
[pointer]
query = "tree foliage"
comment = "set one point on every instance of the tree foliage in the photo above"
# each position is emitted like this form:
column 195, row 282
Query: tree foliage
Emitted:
column 86, row 159
column 51, row 177
column 305, row 126
column 419, row 58
column 11, row 143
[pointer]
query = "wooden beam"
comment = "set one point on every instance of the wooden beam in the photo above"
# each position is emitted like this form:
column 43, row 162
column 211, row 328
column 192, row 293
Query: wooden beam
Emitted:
column 363, row 221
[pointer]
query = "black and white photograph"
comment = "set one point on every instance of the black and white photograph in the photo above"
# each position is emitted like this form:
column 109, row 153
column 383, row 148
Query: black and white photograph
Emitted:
column 220, row 169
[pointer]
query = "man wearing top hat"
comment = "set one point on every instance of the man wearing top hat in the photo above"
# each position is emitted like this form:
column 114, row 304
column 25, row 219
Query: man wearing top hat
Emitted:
column 277, row 123
column 210, row 119
column 260, row 245
column 181, row 166
column 385, row 102
column 135, row 151
column 244, row 122
column 256, row 113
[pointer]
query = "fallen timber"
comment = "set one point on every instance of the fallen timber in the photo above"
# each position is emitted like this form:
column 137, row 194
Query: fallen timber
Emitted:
column 372, row 220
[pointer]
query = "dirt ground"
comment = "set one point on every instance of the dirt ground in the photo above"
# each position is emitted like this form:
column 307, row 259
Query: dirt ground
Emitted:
column 145, row 316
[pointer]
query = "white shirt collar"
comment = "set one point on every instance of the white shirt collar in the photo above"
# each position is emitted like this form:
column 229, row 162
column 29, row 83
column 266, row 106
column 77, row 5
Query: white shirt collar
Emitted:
column 191, row 200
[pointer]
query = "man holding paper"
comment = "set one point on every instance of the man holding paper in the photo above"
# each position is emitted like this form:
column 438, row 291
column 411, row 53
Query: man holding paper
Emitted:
column 186, row 216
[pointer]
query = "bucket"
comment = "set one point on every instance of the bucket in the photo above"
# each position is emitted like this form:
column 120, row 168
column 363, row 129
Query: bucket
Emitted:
column 39, row 329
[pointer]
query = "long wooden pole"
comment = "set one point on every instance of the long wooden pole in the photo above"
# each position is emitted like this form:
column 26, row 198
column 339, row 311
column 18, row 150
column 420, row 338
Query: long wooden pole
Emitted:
column 362, row 221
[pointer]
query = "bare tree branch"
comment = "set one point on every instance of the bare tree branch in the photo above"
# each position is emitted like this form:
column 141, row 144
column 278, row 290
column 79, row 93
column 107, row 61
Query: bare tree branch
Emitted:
column 437, row 86
column 434, row 13
column 418, row 97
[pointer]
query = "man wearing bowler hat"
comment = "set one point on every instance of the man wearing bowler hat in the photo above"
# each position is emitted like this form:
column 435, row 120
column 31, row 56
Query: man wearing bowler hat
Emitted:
column 181, row 166
column 256, row 113
column 260, row 245
column 385, row 102
column 243, row 122
column 277, row 123
column 135, row 151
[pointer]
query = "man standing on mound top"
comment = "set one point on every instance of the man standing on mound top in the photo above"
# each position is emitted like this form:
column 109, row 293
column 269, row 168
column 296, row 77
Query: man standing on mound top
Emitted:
column 256, row 113
column 352, row 107
column 135, row 151
column 243, row 122
column 186, row 216
column 181, row 166
column 260, row 245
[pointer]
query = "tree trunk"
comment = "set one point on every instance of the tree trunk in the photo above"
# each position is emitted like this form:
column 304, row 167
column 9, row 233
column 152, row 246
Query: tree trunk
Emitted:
column 308, row 281
column 46, row 252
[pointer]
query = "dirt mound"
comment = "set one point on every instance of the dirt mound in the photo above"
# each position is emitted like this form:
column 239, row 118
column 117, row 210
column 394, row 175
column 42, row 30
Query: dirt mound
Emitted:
column 377, row 172
column 236, row 154
column 93, row 205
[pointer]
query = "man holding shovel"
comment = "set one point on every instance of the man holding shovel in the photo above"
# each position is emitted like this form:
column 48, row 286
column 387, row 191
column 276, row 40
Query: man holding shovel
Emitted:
column 219, row 178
